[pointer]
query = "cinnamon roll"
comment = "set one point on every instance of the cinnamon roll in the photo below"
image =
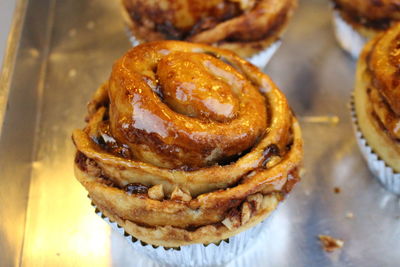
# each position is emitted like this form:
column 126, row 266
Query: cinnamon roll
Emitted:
column 377, row 106
column 247, row 27
column 356, row 21
column 187, row 144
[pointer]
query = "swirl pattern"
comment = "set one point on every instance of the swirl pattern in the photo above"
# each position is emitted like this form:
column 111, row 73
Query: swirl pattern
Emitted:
column 195, row 118
column 383, row 66
column 378, row 95
column 377, row 15
column 244, row 26
column 186, row 136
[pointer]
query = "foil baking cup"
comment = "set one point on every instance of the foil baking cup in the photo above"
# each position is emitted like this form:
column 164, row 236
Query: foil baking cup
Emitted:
column 198, row 254
column 259, row 59
column 348, row 38
column 384, row 173
column 262, row 58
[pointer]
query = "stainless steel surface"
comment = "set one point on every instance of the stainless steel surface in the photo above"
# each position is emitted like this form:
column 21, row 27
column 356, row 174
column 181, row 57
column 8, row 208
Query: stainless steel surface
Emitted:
column 66, row 50
column 17, row 116
column 7, row 8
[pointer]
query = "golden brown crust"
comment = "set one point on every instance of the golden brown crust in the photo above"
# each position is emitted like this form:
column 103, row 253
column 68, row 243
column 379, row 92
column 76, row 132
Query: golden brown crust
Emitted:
column 146, row 195
column 383, row 63
column 371, row 9
column 386, row 117
column 244, row 26
column 195, row 119
column 369, row 17
column 376, row 119
column 171, row 237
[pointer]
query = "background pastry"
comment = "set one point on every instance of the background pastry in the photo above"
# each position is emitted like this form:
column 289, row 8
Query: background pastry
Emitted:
column 356, row 21
column 247, row 27
column 377, row 106
column 188, row 144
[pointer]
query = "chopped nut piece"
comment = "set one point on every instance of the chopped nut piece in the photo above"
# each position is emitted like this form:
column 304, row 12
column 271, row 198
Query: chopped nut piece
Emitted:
column 156, row 192
column 245, row 4
column 349, row 215
column 329, row 243
column 231, row 222
column 336, row 190
column 255, row 200
column 246, row 213
column 92, row 168
column 179, row 194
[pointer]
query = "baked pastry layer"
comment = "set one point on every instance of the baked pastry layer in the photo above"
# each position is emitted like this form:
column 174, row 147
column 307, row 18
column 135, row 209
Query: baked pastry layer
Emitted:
column 243, row 26
column 156, row 154
column 260, row 207
column 377, row 96
column 369, row 17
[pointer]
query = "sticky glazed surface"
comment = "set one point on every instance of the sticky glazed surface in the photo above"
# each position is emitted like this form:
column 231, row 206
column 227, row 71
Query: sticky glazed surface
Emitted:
column 384, row 64
column 364, row 15
column 245, row 26
column 184, row 135
column 182, row 109
column 378, row 95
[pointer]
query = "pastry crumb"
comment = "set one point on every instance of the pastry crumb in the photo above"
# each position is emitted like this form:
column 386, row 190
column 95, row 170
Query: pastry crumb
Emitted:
column 329, row 243
column 349, row 215
column 336, row 190
column 72, row 32
column 72, row 73
column 90, row 25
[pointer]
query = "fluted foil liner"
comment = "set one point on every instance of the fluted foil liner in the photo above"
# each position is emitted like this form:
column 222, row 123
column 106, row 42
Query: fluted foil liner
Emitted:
column 348, row 38
column 260, row 59
column 198, row 254
column 385, row 174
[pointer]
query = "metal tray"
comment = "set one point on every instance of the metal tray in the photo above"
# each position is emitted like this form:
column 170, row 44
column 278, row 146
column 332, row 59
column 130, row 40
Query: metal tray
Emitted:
column 60, row 51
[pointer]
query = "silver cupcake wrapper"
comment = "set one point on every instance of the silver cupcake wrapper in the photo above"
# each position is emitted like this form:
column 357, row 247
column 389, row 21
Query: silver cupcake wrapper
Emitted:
column 262, row 58
column 194, row 255
column 385, row 174
column 348, row 38
column 132, row 39
column 259, row 59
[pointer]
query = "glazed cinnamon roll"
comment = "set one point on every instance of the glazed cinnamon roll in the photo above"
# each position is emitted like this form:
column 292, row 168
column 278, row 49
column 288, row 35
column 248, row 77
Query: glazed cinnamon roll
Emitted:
column 377, row 105
column 187, row 143
column 247, row 27
column 356, row 21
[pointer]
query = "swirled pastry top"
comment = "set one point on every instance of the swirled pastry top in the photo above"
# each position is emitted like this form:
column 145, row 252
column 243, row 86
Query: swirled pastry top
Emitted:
column 198, row 110
column 178, row 108
column 185, row 142
column 244, row 22
column 384, row 65
column 380, row 11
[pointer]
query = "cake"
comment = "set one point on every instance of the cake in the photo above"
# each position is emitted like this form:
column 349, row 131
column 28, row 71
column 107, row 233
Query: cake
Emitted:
column 188, row 144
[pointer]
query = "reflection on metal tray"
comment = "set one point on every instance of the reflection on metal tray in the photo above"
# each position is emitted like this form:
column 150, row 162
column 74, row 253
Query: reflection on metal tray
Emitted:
column 66, row 49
